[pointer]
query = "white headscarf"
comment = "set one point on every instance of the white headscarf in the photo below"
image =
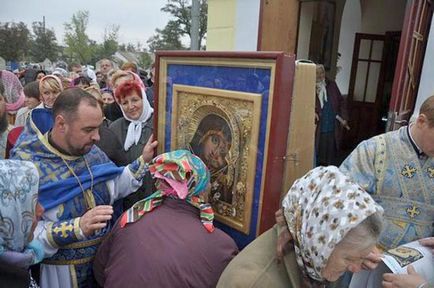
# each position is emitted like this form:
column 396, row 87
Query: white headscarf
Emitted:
column 320, row 209
column 321, row 86
column 90, row 73
column 60, row 72
column 321, row 92
column 135, row 128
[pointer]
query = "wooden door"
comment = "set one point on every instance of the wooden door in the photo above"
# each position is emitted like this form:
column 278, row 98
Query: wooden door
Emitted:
column 410, row 59
column 390, row 55
column 363, row 90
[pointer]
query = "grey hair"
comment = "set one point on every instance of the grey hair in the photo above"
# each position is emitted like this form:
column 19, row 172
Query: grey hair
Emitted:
column 366, row 233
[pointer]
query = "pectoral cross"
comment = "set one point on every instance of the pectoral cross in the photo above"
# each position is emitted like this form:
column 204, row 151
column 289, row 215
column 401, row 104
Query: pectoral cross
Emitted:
column 430, row 172
column 64, row 228
column 408, row 171
column 413, row 211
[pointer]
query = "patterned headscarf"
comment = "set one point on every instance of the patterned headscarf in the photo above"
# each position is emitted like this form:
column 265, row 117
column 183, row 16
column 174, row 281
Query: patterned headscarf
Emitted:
column 13, row 90
column 320, row 209
column 18, row 195
column 179, row 175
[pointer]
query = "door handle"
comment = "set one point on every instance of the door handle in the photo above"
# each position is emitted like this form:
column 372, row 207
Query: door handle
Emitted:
column 401, row 122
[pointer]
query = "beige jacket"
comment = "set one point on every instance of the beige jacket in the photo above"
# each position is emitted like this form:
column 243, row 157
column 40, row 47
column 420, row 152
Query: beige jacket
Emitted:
column 256, row 266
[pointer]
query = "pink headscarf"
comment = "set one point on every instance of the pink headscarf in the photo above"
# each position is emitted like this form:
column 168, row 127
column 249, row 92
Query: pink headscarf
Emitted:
column 13, row 90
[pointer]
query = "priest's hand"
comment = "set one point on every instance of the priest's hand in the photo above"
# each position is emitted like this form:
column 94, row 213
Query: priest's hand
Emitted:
column 149, row 149
column 95, row 219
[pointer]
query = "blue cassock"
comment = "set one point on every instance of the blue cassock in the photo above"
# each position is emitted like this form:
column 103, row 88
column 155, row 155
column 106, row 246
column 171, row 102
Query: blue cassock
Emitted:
column 69, row 195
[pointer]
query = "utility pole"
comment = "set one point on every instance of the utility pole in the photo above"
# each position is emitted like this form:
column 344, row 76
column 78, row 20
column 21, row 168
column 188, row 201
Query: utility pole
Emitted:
column 44, row 36
column 194, row 27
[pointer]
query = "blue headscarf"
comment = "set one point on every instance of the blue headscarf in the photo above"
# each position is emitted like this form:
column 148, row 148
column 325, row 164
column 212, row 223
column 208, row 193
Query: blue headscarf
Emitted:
column 18, row 196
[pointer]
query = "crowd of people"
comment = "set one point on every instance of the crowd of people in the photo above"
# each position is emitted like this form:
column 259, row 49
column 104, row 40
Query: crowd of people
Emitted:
column 84, row 202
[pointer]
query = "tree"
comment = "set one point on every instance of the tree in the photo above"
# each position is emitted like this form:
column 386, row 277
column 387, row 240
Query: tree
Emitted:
column 181, row 11
column 44, row 44
column 109, row 45
column 14, row 41
column 145, row 60
column 79, row 46
column 166, row 39
column 130, row 47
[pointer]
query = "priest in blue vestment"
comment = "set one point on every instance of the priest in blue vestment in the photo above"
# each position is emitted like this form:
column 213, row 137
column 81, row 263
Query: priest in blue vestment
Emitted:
column 397, row 169
column 78, row 184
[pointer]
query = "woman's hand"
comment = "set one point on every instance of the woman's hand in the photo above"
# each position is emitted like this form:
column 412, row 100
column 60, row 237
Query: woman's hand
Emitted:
column 372, row 260
column 284, row 237
column 148, row 150
column 412, row 280
column 428, row 242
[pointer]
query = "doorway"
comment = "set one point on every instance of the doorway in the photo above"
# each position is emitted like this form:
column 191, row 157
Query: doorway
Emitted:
column 372, row 72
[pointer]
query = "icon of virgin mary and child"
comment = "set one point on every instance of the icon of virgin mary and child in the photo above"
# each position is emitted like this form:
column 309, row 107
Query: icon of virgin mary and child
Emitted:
column 212, row 142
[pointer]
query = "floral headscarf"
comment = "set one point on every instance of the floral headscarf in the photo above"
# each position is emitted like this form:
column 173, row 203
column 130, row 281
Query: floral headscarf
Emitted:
column 14, row 94
column 179, row 175
column 18, row 195
column 320, row 209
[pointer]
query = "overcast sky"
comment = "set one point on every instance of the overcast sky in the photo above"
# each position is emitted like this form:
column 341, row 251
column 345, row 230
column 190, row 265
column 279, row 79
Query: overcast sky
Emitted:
column 137, row 18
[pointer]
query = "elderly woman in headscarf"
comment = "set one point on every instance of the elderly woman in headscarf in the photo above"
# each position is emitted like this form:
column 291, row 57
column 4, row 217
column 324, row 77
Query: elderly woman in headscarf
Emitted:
column 134, row 129
column 13, row 93
column 167, row 239
column 334, row 225
column 18, row 212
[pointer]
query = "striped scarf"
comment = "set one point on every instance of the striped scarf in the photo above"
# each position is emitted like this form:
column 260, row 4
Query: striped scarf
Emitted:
column 180, row 175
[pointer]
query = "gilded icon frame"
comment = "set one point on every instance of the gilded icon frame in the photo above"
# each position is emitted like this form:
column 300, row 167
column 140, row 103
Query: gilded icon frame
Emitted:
column 241, row 111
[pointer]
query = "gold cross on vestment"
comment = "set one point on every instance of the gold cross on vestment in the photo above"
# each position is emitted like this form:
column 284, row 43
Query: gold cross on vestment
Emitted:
column 430, row 172
column 408, row 171
column 64, row 228
column 413, row 211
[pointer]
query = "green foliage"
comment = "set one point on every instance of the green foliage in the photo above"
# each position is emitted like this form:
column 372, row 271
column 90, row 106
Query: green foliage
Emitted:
column 181, row 11
column 169, row 37
column 79, row 47
column 109, row 46
column 44, row 43
column 145, row 60
column 14, row 41
column 166, row 39
column 129, row 47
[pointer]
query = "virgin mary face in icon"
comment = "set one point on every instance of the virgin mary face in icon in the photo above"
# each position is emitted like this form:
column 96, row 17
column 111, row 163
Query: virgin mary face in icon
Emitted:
column 212, row 142
column 215, row 147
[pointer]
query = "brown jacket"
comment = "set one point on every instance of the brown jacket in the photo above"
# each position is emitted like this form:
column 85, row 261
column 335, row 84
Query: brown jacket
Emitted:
column 167, row 247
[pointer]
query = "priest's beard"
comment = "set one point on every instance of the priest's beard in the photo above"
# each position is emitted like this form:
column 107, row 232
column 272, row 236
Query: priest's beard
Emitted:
column 3, row 122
